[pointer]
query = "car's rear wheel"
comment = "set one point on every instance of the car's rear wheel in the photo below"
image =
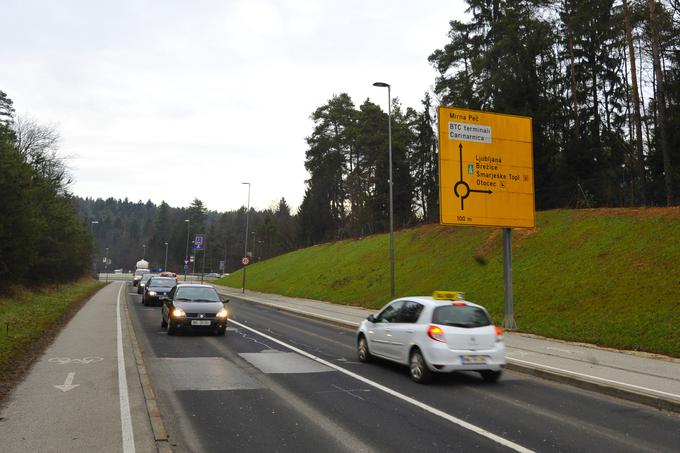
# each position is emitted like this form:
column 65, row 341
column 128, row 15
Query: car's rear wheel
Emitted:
column 420, row 373
column 490, row 375
column 171, row 327
column 363, row 353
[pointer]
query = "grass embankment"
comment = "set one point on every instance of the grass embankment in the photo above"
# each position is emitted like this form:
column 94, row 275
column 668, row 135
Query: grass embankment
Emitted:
column 29, row 319
column 605, row 276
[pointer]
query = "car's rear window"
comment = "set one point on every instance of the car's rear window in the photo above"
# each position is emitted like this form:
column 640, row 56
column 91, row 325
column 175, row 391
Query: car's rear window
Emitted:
column 197, row 294
column 164, row 282
column 460, row 316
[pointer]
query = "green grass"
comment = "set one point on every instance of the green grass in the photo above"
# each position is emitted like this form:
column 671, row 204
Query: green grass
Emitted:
column 605, row 276
column 26, row 315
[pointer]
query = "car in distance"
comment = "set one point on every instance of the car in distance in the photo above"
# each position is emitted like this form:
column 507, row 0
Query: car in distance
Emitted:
column 142, row 282
column 157, row 289
column 212, row 275
column 437, row 334
column 194, row 307
column 138, row 276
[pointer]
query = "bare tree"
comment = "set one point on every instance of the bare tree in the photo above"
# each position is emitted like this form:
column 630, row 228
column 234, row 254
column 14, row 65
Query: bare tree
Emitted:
column 660, row 102
column 38, row 145
column 640, row 158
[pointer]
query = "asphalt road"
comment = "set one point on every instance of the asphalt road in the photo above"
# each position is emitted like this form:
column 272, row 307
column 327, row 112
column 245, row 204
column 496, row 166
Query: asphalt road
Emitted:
column 257, row 389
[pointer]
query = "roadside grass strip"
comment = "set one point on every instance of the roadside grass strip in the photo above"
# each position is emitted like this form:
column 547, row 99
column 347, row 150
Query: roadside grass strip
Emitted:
column 28, row 317
column 602, row 276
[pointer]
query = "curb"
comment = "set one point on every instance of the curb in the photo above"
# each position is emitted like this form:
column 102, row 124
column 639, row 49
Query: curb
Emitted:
column 160, row 434
column 561, row 376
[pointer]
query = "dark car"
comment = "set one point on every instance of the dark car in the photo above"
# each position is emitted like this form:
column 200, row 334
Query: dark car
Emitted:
column 142, row 282
column 157, row 289
column 194, row 307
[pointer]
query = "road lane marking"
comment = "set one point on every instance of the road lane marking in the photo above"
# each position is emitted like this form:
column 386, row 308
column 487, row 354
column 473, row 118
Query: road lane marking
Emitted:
column 595, row 378
column 394, row 393
column 125, row 418
column 68, row 383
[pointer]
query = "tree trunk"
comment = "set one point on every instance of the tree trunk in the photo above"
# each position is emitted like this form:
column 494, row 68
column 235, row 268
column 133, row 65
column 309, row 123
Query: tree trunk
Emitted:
column 574, row 98
column 636, row 107
column 660, row 103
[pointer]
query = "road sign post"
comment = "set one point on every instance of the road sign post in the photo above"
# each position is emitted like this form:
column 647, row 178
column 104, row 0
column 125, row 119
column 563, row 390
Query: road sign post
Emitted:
column 486, row 177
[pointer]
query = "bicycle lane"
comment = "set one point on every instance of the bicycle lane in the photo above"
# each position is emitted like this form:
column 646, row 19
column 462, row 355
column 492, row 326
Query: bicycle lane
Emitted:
column 76, row 397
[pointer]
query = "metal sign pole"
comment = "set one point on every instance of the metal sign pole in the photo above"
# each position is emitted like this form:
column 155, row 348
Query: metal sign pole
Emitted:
column 509, row 321
column 203, row 269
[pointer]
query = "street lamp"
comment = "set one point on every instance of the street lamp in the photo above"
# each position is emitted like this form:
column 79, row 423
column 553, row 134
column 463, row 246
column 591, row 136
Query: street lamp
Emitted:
column 186, row 252
column 245, row 246
column 144, row 252
column 106, row 264
column 165, row 266
column 389, row 138
column 94, row 261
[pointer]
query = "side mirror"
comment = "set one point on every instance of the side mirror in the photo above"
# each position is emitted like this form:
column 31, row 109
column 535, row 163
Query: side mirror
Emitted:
column 371, row 318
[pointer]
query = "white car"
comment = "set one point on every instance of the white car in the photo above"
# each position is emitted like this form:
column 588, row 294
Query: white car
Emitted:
column 437, row 334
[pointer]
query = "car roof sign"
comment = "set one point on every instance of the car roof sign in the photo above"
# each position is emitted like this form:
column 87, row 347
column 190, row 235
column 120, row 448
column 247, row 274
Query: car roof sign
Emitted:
column 448, row 295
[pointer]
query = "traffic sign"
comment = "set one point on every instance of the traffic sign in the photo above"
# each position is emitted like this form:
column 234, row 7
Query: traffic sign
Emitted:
column 199, row 242
column 245, row 260
column 221, row 265
column 486, row 169
column 186, row 266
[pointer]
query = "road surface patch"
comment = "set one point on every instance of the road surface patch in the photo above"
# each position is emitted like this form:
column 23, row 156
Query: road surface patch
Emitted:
column 275, row 362
column 202, row 374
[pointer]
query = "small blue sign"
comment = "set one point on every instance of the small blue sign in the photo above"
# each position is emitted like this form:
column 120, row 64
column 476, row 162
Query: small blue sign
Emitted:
column 199, row 242
column 160, row 269
column 471, row 169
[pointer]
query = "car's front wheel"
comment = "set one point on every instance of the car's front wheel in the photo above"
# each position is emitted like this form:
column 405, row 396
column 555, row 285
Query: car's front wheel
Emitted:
column 420, row 373
column 171, row 327
column 363, row 353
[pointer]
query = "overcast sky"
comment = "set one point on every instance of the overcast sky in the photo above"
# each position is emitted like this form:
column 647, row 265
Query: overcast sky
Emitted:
column 175, row 100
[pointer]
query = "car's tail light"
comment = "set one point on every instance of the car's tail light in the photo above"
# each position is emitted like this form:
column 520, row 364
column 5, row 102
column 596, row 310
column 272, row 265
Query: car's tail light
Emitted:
column 459, row 304
column 436, row 333
column 499, row 334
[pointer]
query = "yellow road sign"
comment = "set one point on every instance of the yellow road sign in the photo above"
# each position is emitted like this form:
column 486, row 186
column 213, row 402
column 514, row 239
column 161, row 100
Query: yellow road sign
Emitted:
column 486, row 171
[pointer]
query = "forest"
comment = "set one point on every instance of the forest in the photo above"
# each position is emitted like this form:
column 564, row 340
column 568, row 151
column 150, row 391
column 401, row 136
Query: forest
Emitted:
column 599, row 78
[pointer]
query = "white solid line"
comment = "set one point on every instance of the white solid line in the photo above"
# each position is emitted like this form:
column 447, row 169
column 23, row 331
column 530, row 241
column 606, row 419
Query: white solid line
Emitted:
column 637, row 387
column 125, row 418
column 394, row 393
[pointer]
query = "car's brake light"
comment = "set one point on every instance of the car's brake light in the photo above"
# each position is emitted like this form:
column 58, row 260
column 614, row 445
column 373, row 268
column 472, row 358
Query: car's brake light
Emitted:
column 459, row 304
column 436, row 333
column 499, row 334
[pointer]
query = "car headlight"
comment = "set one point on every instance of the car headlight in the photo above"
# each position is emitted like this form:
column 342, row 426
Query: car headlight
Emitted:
column 142, row 284
column 152, row 293
column 222, row 313
column 178, row 313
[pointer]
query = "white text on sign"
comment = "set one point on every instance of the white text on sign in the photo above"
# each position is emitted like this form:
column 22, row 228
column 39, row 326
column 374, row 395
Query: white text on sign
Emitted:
column 469, row 132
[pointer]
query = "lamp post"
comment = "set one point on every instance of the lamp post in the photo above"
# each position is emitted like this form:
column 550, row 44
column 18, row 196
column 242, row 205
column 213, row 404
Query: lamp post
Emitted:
column 143, row 251
column 186, row 252
column 106, row 265
column 245, row 245
column 389, row 138
column 165, row 266
column 94, row 261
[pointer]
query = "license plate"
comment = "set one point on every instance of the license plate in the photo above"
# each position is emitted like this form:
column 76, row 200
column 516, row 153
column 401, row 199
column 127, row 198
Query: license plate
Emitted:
column 473, row 359
column 200, row 323
column 162, row 297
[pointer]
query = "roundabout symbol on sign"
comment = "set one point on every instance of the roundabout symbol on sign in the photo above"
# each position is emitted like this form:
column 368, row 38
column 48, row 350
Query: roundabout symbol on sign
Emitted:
column 245, row 260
